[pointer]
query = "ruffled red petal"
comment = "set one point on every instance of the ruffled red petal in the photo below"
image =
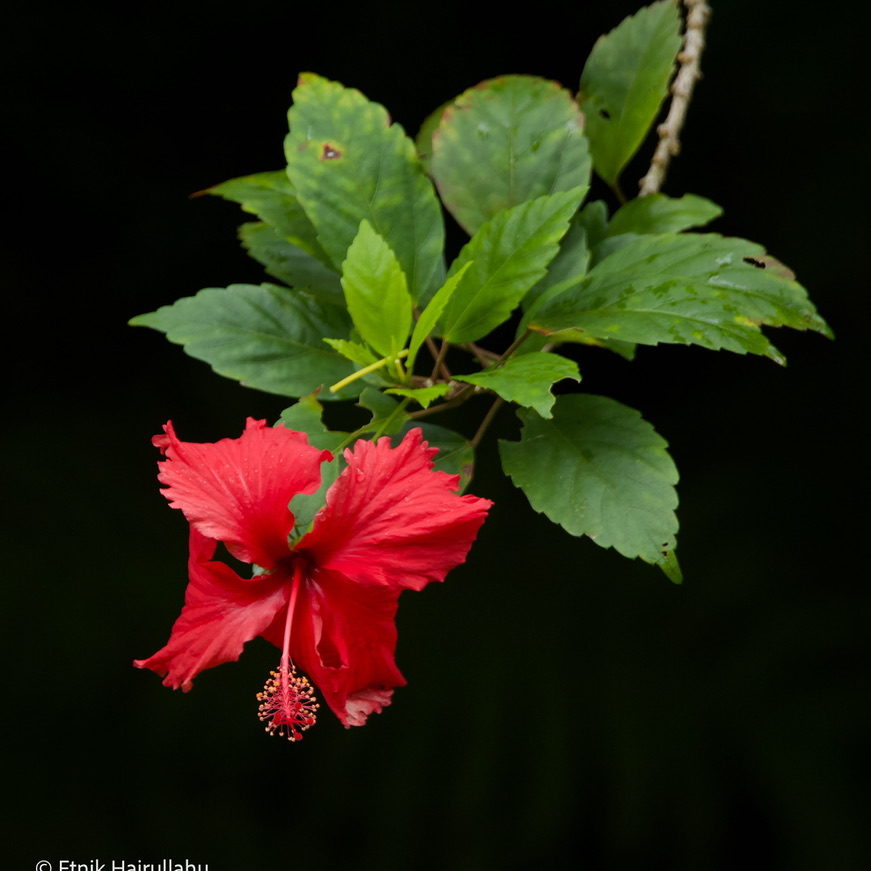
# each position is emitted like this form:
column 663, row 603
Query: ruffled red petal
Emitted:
column 391, row 520
column 237, row 490
column 221, row 612
column 344, row 639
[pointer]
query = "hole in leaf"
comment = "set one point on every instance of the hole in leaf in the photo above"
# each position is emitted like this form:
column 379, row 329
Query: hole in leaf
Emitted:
column 605, row 114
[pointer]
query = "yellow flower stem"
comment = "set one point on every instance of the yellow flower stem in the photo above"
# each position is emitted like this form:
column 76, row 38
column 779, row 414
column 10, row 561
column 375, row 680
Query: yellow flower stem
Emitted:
column 372, row 367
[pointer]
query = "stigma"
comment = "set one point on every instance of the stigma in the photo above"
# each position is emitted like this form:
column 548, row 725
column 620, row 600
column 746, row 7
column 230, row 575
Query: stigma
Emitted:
column 288, row 705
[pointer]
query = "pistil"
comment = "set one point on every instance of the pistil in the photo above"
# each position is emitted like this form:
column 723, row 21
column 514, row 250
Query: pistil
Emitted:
column 287, row 703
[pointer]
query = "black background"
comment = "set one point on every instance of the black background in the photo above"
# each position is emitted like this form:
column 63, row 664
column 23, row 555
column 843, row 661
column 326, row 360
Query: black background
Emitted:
column 564, row 706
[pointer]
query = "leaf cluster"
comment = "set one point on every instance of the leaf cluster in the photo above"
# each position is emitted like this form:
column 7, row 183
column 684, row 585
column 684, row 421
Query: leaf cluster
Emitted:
column 352, row 232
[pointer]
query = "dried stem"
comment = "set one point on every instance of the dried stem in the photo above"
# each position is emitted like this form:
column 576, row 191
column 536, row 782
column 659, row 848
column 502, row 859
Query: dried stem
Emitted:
column 698, row 13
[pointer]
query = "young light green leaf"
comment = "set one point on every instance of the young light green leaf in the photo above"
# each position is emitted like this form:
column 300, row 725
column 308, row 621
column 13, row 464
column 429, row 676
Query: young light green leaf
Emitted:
column 376, row 292
column 353, row 351
column 598, row 469
column 284, row 261
column 701, row 289
column 265, row 336
column 509, row 254
column 347, row 163
column 387, row 414
column 423, row 396
column 624, row 83
column 526, row 379
column 430, row 315
column 504, row 142
column 456, row 456
column 658, row 213
column 269, row 195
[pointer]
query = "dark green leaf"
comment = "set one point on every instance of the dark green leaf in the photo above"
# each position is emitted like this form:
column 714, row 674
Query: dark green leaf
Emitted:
column 376, row 292
column 598, row 469
column 269, row 195
column 265, row 336
column 456, row 456
column 691, row 288
column 509, row 254
column 526, row 379
column 624, row 83
column 423, row 140
column 284, row 261
column 388, row 416
column 658, row 213
column 429, row 316
column 566, row 270
column 305, row 416
column 507, row 141
column 347, row 163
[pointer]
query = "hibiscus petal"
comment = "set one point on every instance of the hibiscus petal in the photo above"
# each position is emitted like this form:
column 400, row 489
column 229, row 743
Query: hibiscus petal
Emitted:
column 237, row 490
column 390, row 519
column 344, row 638
column 221, row 612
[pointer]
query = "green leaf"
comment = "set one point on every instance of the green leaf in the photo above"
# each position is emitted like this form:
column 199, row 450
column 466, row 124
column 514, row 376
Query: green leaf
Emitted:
column 566, row 270
column 598, row 469
column 423, row 396
column 658, row 213
column 428, row 319
column 456, row 456
column 624, row 83
column 388, row 415
column 376, row 292
column 290, row 264
column 353, row 351
column 423, row 140
column 507, row 141
column 526, row 379
column 269, row 195
column 265, row 336
column 347, row 163
column 509, row 254
column 701, row 289
column 305, row 416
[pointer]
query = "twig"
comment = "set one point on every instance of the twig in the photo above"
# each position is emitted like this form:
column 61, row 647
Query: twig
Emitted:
column 440, row 367
column 698, row 13
column 484, row 357
column 485, row 423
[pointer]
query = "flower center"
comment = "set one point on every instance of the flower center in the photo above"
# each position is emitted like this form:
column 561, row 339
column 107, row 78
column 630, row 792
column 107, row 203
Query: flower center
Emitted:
column 287, row 702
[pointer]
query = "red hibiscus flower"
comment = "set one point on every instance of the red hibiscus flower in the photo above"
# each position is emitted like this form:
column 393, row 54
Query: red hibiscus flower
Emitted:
column 390, row 523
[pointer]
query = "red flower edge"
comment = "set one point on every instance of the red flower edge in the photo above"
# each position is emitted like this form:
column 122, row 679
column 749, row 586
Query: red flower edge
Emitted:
column 391, row 522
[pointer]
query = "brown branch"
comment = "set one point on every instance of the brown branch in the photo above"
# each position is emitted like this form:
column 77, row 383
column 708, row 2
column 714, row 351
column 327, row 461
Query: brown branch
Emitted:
column 485, row 423
column 698, row 13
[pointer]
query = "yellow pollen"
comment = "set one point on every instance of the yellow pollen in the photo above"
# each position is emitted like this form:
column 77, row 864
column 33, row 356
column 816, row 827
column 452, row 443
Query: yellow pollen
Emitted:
column 287, row 703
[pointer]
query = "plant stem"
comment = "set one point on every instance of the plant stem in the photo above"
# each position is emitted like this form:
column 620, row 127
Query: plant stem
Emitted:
column 698, row 13
column 488, row 419
column 513, row 347
column 439, row 366
column 372, row 367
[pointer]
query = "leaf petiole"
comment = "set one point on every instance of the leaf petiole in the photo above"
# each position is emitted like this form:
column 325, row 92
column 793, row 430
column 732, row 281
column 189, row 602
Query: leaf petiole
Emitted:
column 372, row 367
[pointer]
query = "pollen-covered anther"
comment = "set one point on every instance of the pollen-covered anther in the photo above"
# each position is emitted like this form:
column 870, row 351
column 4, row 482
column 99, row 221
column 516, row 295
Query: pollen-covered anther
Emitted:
column 287, row 703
